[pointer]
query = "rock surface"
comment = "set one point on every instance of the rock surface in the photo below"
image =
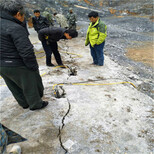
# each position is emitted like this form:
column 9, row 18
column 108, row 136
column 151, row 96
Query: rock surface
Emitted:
column 82, row 7
column 102, row 116
column 96, row 114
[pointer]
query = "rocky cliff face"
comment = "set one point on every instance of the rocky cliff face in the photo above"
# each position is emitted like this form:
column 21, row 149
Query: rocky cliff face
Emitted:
column 106, row 7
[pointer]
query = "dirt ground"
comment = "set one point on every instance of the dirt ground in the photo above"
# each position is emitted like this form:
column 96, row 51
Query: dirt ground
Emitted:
column 144, row 53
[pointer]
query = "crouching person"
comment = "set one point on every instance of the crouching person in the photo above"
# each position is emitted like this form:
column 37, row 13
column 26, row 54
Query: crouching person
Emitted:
column 18, row 65
column 49, row 37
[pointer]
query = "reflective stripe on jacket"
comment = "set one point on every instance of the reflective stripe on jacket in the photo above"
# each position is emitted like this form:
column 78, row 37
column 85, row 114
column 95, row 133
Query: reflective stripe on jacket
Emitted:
column 96, row 33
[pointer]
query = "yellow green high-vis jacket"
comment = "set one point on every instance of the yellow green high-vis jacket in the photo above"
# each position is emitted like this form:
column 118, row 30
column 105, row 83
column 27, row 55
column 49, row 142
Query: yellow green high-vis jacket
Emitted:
column 96, row 33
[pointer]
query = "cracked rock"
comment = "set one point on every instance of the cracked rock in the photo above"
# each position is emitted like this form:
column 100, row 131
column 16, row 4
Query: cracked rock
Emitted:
column 59, row 92
column 72, row 71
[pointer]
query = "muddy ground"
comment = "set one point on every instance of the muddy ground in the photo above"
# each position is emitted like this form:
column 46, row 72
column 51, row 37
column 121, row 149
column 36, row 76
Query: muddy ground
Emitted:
column 143, row 53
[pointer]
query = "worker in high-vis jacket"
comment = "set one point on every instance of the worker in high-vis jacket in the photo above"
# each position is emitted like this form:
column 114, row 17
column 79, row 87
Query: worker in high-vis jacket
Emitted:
column 96, row 35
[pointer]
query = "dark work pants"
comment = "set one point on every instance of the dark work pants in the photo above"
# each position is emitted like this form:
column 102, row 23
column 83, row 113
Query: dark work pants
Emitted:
column 25, row 85
column 50, row 48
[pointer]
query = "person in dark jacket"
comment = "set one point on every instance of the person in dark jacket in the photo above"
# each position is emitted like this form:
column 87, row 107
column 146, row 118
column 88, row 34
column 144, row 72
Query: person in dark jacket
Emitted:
column 39, row 22
column 49, row 37
column 18, row 65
